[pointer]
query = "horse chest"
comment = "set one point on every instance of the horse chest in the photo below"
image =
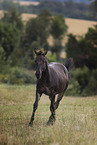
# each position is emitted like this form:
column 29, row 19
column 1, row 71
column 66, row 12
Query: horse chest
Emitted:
column 45, row 89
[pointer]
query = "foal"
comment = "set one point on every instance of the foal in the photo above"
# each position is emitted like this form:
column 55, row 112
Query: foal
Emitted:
column 52, row 79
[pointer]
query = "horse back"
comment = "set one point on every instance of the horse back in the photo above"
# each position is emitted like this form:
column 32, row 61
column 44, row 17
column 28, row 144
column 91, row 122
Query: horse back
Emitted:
column 58, row 75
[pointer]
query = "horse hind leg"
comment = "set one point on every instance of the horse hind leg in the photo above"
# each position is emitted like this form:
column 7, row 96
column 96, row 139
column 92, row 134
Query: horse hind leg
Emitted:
column 60, row 96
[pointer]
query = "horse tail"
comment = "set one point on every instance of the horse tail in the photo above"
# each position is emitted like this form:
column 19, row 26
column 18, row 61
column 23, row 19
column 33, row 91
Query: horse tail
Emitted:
column 69, row 64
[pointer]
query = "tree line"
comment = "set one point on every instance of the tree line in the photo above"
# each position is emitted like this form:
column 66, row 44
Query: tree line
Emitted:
column 68, row 8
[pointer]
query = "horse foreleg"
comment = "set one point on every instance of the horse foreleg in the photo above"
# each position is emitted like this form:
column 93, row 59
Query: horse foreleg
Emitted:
column 35, row 106
column 52, row 109
column 60, row 96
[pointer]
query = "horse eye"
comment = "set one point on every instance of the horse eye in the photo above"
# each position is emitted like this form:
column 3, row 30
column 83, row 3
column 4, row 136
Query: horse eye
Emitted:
column 35, row 62
column 43, row 61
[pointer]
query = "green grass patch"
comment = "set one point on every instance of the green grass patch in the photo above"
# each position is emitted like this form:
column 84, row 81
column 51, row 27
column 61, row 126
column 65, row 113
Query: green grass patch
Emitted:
column 76, row 119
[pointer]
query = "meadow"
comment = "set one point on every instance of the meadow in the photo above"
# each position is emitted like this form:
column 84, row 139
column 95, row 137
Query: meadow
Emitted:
column 76, row 119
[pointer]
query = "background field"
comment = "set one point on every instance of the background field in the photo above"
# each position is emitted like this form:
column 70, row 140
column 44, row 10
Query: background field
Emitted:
column 76, row 122
column 27, row 3
column 75, row 26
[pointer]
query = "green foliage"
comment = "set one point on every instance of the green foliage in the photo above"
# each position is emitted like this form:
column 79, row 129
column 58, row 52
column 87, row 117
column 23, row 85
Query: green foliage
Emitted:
column 51, row 57
column 93, row 5
column 13, row 17
column 84, row 50
column 91, row 47
column 83, row 82
column 17, row 76
column 58, row 30
column 35, row 35
column 43, row 20
column 56, row 48
column 31, row 31
column 72, row 48
column 37, row 29
column 11, row 27
column 58, row 27
column 8, row 38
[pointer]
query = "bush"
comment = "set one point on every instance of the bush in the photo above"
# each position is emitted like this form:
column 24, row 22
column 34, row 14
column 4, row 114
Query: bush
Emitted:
column 18, row 76
column 83, row 82
column 51, row 57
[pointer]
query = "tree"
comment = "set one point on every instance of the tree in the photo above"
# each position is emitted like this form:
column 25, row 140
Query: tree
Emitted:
column 91, row 43
column 8, row 38
column 93, row 5
column 58, row 27
column 37, row 29
column 44, row 19
column 58, row 30
column 84, row 50
column 72, row 48
column 36, row 34
column 11, row 27
column 31, row 31
column 13, row 17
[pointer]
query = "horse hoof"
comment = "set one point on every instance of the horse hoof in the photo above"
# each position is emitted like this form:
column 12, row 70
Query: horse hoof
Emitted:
column 30, row 124
column 49, row 123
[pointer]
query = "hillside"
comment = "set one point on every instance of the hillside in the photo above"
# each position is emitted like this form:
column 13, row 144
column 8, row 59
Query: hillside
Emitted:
column 68, row 9
column 27, row 3
column 77, row 1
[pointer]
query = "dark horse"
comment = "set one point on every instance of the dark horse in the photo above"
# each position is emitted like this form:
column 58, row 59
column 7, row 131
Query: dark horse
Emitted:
column 52, row 79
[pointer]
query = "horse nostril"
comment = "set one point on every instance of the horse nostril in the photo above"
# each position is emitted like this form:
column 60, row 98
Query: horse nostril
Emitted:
column 37, row 74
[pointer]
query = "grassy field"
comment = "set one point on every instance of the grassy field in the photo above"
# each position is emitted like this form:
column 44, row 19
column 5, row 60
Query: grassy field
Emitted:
column 76, row 122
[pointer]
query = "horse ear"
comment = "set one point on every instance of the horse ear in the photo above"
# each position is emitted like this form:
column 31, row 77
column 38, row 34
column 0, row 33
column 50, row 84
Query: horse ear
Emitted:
column 45, row 52
column 35, row 51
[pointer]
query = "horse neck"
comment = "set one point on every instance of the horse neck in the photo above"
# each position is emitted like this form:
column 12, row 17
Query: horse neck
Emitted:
column 45, row 76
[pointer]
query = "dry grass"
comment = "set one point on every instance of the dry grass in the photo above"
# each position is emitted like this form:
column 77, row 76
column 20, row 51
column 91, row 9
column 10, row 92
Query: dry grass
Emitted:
column 76, row 122
column 79, row 27
column 26, row 17
column 1, row 13
column 27, row 3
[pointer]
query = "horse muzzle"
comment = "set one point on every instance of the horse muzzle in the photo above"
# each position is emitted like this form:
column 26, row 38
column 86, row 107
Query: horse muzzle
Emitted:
column 38, row 74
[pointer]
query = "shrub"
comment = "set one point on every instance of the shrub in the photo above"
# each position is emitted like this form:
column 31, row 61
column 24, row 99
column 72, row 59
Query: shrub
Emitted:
column 51, row 57
column 83, row 82
column 18, row 76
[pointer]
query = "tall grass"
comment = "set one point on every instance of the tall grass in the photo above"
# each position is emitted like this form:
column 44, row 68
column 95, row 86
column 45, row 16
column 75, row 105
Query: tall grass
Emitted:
column 76, row 119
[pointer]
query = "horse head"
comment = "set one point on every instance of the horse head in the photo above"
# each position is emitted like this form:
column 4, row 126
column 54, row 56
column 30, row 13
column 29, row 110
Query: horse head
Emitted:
column 40, row 62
